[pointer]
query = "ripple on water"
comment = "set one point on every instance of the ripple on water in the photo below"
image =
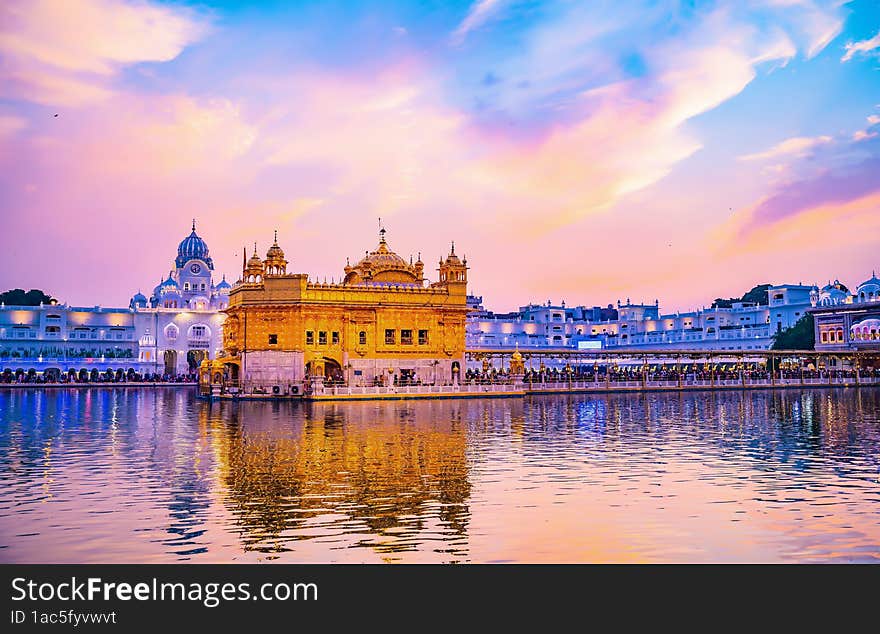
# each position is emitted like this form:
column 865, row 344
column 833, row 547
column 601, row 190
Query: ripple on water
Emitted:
column 712, row 476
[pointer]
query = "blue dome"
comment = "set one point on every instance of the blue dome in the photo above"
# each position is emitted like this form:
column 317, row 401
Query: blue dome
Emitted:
column 193, row 248
column 139, row 300
column 168, row 284
column 223, row 284
column 872, row 282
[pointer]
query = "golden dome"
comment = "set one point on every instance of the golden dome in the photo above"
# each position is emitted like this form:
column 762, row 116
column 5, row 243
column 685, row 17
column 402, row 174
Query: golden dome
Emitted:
column 254, row 265
column 453, row 259
column 384, row 266
column 275, row 252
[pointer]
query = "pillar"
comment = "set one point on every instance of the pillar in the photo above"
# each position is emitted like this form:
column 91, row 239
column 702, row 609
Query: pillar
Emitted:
column 856, row 366
column 772, row 367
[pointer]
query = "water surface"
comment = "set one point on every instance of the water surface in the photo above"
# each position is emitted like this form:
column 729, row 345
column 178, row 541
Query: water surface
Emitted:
column 154, row 475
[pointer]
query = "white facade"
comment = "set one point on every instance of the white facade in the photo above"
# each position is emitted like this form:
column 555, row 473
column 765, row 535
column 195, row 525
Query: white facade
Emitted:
column 743, row 326
column 847, row 321
column 181, row 323
column 168, row 334
column 62, row 338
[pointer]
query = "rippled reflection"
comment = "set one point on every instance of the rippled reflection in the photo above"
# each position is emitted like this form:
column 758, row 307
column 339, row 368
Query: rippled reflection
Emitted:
column 154, row 475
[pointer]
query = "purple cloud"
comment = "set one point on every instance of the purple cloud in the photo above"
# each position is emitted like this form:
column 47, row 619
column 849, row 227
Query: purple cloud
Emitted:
column 832, row 186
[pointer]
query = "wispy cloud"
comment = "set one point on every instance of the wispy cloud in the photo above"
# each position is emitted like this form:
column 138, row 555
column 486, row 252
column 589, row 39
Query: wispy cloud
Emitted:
column 795, row 147
column 479, row 13
column 863, row 47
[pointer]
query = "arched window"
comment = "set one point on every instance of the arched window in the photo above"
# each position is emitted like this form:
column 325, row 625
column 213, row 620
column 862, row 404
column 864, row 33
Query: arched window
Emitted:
column 171, row 332
column 362, row 338
column 198, row 332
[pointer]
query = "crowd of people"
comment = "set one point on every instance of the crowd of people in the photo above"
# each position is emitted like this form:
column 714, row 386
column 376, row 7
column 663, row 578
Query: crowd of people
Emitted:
column 86, row 377
column 637, row 374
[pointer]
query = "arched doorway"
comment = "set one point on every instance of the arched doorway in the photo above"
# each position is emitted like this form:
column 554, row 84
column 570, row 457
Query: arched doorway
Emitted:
column 194, row 358
column 231, row 372
column 94, row 375
column 170, row 357
column 52, row 374
column 332, row 369
column 83, row 375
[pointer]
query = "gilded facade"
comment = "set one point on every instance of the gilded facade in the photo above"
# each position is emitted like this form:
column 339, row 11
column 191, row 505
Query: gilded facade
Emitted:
column 384, row 324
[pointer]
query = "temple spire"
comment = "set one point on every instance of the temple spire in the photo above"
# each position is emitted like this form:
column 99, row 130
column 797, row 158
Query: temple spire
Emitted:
column 194, row 225
column 276, row 236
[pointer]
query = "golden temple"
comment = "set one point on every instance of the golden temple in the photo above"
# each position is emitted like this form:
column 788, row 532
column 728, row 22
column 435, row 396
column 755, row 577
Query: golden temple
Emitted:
column 384, row 324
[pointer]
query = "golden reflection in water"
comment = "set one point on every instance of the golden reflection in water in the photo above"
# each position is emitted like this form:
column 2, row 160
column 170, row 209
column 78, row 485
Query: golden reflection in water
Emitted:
column 375, row 469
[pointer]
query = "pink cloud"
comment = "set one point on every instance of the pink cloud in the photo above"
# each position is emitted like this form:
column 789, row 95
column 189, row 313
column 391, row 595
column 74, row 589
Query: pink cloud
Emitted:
column 862, row 47
column 65, row 52
column 793, row 147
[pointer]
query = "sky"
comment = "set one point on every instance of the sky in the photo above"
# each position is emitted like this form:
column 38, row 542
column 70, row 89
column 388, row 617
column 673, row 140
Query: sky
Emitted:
column 585, row 152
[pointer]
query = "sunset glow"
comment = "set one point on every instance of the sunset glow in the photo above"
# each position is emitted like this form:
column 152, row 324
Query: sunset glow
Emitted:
column 656, row 150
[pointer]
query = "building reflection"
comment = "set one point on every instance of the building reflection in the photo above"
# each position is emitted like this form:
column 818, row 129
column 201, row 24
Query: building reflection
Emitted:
column 767, row 424
column 390, row 472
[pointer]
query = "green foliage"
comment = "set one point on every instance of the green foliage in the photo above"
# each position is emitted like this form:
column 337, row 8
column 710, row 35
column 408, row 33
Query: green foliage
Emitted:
column 801, row 336
column 757, row 295
column 18, row 297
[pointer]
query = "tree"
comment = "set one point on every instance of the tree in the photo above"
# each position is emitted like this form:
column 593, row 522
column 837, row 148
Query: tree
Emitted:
column 757, row 295
column 801, row 336
column 18, row 297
